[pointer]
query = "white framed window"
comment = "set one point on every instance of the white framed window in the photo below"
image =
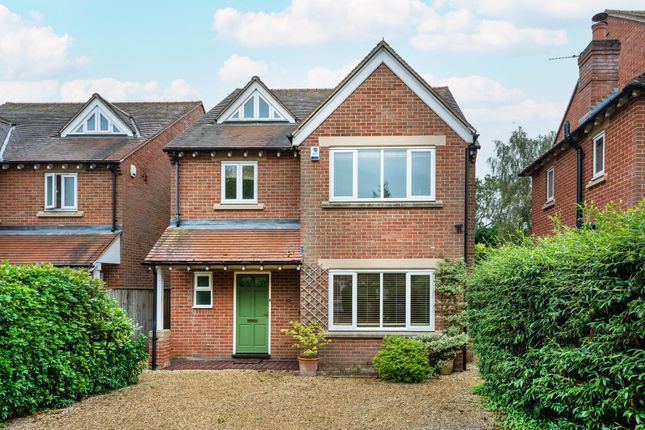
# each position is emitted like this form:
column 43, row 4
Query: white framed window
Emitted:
column 97, row 121
column 203, row 290
column 60, row 191
column 550, row 184
column 239, row 182
column 392, row 300
column 599, row 155
column 256, row 108
column 382, row 174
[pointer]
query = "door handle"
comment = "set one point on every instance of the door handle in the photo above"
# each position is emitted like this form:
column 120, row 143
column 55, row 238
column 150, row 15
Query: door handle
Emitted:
column 251, row 320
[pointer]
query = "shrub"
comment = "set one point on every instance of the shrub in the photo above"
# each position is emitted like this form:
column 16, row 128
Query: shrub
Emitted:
column 559, row 326
column 402, row 359
column 450, row 284
column 61, row 338
column 442, row 348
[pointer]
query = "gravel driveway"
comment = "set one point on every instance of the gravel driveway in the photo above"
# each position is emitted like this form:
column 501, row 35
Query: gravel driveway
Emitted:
column 242, row 399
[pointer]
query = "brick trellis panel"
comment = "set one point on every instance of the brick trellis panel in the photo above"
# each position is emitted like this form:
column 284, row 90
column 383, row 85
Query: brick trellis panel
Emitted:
column 313, row 293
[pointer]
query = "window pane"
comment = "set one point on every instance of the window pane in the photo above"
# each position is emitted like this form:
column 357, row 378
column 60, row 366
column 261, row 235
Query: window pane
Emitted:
column 91, row 123
column 68, row 182
column 600, row 162
column 342, row 300
column 420, row 300
column 115, row 129
column 264, row 108
column 343, row 174
column 369, row 174
column 276, row 115
column 394, row 167
column 421, row 162
column 203, row 281
column 248, row 179
column 202, row 298
column 104, row 123
column 230, row 182
column 394, row 299
column 549, row 184
column 248, row 108
column 79, row 129
column 368, row 299
column 49, row 191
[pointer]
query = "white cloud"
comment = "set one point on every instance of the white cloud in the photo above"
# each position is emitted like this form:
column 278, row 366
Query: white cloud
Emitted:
column 568, row 10
column 80, row 90
column 476, row 88
column 323, row 77
column 311, row 22
column 239, row 69
column 489, row 35
column 30, row 49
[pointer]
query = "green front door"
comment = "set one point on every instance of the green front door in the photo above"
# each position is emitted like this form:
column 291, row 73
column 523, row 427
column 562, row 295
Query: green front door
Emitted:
column 252, row 314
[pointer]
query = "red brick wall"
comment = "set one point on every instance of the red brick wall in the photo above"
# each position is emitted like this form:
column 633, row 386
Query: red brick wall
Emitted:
column 200, row 186
column 208, row 333
column 624, row 168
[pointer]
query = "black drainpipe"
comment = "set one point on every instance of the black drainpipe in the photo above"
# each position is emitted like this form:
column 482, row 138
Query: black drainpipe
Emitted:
column 579, row 156
column 470, row 152
column 112, row 168
column 153, row 347
column 175, row 158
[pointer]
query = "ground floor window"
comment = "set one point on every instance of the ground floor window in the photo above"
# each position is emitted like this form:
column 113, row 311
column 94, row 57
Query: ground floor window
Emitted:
column 381, row 300
column 203, row 290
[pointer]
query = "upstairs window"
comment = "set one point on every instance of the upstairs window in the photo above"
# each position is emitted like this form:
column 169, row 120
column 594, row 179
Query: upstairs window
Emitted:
column 387, row 174
column 256, row 108
column 60, row 191
column 550, row 184
column 599, row 155
column 97, row 122
column 239, row 182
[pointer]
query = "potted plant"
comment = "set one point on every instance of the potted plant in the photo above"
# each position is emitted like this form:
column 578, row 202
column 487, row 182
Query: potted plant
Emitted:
column 310, row 338
column 442, row 350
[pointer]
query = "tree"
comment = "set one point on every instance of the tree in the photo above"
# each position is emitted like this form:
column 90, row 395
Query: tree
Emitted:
column 503, row 197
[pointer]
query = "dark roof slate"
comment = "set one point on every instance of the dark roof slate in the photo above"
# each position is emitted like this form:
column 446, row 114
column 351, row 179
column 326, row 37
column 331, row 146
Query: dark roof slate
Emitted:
column 36, row 135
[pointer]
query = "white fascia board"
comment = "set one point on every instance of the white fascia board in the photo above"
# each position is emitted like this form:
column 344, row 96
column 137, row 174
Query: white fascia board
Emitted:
column 112, row 254
column 6, row 142
column 383, row 57
column 255, row 86
column 69, row 130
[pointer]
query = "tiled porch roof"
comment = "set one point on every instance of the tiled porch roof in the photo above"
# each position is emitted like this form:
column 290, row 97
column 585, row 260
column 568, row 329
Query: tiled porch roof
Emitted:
column 77, row 250
column 230, row 246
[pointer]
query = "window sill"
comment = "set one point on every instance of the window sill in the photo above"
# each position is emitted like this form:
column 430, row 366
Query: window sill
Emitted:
column 238, row 207
column 382, row 205
column 549, row 204
column 596, row 181
column 374, row 334
column 60, row 214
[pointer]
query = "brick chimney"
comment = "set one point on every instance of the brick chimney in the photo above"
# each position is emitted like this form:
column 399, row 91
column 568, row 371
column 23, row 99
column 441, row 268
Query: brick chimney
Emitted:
column 598, row 65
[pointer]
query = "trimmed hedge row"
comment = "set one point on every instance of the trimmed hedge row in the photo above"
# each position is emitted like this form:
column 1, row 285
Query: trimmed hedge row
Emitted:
column 61, row 338
column 559, row 326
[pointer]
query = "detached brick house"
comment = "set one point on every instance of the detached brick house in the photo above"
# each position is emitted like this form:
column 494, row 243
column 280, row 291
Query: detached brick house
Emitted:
column 86, row 185
column 599, row 152
column 334, row 205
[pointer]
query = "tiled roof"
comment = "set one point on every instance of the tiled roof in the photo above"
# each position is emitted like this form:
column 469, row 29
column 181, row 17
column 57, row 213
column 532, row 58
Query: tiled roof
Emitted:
column 36, row 135
column 217, row 246
column 60, row 250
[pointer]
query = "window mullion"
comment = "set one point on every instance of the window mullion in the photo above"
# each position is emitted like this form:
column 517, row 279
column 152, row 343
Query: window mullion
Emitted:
column 382, row 173
column 354, row 300
column 408, row 174
column 355, row 174
column 431, row 301
column 381, row 301
column 238, row 184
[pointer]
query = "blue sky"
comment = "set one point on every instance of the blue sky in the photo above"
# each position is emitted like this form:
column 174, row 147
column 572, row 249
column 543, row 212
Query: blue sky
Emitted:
column 492, row 53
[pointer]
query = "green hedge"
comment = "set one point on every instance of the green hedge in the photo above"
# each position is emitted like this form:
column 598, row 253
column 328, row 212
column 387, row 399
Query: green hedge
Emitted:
column 559, row 326
column 61, row 338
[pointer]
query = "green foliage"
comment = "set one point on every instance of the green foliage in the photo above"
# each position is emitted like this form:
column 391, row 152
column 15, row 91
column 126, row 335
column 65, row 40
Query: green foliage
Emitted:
column 559, row 326
column 442, row 348
column 61, row 338
column 402, row 359
column 309, row 337
column 450, row 283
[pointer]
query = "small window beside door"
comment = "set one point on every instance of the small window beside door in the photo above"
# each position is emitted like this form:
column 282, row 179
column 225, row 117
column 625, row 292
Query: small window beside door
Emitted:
column 599, row 155
column 60, row 191
column 550, row 185
column 203, row 290
column 239, row 182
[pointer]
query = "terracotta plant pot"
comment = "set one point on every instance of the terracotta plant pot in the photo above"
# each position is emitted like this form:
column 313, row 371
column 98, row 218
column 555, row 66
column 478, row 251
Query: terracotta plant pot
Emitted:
column 447, row 369
column 308, row 365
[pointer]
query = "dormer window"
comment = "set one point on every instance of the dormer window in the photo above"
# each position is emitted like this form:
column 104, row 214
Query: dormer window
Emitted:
column 256, row 108
column 97, row 123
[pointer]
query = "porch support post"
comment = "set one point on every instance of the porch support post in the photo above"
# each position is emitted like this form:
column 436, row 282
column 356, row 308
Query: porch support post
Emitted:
column 96, row 272
column 160, row 295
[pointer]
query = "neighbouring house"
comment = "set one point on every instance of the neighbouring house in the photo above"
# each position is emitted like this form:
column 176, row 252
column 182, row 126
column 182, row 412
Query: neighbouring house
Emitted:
column 598, row 155
column 86, row 185
column 329, row 205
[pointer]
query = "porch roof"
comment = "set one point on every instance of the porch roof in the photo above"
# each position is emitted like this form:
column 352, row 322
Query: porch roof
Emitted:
column 179, row 245
column 75, row 250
